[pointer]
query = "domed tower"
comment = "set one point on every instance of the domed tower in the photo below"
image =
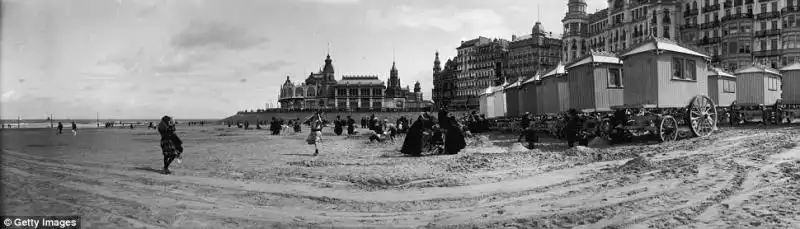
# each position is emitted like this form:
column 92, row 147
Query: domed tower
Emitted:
column 576, row 26
column 328, row 69
column 287, row 88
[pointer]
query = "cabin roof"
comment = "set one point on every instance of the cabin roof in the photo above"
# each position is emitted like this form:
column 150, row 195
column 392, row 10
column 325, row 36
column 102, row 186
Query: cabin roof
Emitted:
column 755, row 68
column 662, row 44
column 532, row 79
column 792, row 67
column 720, row 72
column 596, row 57
column 560, row 69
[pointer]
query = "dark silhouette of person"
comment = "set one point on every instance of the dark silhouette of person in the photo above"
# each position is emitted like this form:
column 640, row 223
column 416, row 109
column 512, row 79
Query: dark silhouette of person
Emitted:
column 351, row 125
column 171, row 145
column 74, row 129
column 337, row 125
column 60, row 128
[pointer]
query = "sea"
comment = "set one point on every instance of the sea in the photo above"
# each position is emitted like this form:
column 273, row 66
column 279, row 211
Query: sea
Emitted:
column 91, row 123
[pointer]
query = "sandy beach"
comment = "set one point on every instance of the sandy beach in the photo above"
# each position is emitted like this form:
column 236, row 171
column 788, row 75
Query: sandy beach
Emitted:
column 235, row 178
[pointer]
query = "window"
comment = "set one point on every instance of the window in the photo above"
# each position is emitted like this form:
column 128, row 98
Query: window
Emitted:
column 683, row 69
column 728, row 86
column 614, row 78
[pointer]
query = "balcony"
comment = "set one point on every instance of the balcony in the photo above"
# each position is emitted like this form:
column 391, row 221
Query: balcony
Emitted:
column 738, row 16
column 574, row 33
column 766, row 53
column 768, row 15
column 709, row 25
column 767, row 33
column 748, row 2
column 710, row 8
column 728, row 4
column 689, row 26
column 691, row 12
column 790, row 9
column 709, row 40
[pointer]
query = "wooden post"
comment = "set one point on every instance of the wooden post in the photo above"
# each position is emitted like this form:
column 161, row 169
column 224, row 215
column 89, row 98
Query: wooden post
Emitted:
column 51, row 120
column 18, row 119
column 97, row 119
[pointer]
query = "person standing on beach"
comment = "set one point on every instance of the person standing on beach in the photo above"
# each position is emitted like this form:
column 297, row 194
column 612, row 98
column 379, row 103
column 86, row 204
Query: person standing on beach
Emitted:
column 74, row 129
column 60, row 128
column 171, row 145
column 351, row 126
column 337, row 126
column 315, row 137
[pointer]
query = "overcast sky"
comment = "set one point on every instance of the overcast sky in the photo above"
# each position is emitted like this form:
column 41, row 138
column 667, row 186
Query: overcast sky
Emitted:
column 211, row 58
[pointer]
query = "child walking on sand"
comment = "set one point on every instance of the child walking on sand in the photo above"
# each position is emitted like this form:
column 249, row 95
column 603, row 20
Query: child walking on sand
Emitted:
column 315, row 137
column 171, row 145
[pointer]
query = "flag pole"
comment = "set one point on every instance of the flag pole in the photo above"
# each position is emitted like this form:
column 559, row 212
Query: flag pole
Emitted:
column 97, row 119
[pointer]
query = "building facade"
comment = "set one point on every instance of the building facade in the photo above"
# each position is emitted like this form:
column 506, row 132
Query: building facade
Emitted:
column 444, row 82
column 530, row 54
column 623, row 24
column 735, row 33
column 479, row 65
column 321, row 90
column 741, row 32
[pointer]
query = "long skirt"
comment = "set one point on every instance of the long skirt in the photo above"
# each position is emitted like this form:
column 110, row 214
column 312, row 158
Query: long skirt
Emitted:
column 168, row 148
column 314, row 137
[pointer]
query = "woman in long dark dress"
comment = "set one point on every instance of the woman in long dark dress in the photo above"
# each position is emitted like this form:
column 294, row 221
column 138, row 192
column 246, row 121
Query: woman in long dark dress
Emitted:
column 454, row 138
column 337, row 126
column 171, row 145
column 413, row 143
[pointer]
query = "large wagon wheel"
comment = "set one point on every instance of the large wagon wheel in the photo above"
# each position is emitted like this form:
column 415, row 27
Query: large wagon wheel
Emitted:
column 668, row 129
column 702, row 116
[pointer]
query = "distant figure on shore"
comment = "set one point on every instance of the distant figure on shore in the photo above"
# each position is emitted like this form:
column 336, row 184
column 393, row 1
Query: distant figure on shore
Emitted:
column 171, row 145
column 274, row 126
column 60, row 128
column 74, row 129
column 337, row 126
column 131, row 126
column 315, row 137
column 246, row 125
column 351, row 126
column 298, row 128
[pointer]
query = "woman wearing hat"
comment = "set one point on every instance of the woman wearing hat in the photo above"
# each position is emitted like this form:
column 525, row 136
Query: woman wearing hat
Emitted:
column 171, row 145
column 315, row 137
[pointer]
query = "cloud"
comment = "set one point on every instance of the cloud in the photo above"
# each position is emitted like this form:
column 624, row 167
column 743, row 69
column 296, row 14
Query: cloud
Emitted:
column 183, row 61
column 447, row 19
column 271, row 66
column 165, row 91
column 215, row 34
column 10, row 96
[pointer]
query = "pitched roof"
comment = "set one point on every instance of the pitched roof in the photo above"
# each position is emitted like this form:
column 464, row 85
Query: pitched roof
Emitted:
column 662, row 44
column 756, row 68
column 560, row 69
column 720, row 72
column 792, row 67
column 513, row 85
column 360, row 80
column 596, row 57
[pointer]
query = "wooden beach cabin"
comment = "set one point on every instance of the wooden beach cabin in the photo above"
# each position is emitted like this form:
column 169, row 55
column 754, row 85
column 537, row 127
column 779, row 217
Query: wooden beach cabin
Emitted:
column 663, row 73
column 757, row 85
column 595, row 82
column 483, row 101
column 552, row 93
column 500, row 100
column 721, row 87
column 512, row 99
column 528, row 95
column 791, row 84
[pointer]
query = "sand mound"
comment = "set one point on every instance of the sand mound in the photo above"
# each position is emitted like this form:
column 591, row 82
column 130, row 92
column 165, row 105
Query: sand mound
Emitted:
column 791, row 169
column 637, row 164
column 517, row 147
column 469, row 163
column 479, row 141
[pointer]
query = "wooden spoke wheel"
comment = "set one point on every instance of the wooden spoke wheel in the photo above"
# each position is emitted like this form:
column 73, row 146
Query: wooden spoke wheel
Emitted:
column 668, row 129
column 702, row 116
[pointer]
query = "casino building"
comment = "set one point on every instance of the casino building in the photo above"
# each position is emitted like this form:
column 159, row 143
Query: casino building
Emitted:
column 322, row 90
